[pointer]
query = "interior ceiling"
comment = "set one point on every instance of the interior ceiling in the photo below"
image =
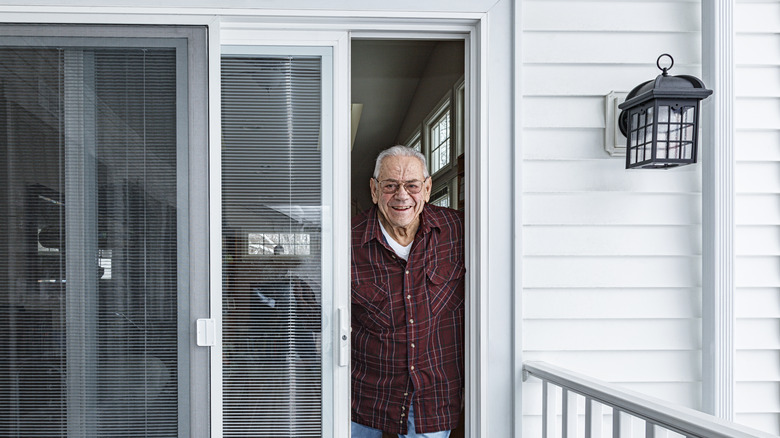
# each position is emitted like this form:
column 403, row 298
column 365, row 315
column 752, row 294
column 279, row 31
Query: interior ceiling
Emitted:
column 385, row 75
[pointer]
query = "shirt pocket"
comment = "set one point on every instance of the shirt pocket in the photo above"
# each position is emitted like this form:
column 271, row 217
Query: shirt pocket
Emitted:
column 444, row 287
column 373, row 305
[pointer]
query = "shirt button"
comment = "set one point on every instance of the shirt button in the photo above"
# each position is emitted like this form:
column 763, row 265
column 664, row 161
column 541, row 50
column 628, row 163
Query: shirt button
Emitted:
column 408, row 297
column 412, row 344
column 411, row 321
column 402, row 415
column 407, row 272
column 412, row 368
column 403, row 408
column 406, row 393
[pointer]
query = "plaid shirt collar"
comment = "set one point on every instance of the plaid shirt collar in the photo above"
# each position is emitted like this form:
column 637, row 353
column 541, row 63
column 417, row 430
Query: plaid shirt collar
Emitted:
column 428, row 221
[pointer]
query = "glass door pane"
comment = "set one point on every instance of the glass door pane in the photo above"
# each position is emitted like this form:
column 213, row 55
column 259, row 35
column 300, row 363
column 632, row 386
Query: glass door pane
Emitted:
column 274, row 286
column 91, row 259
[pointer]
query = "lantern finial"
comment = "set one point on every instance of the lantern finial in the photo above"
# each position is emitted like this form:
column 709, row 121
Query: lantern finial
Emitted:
column 664, row 70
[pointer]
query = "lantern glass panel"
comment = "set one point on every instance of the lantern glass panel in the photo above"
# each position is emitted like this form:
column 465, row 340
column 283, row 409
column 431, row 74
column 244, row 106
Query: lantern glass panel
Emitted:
column 663, row 114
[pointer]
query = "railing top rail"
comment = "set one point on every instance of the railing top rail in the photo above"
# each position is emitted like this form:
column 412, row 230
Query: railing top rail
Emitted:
column 684, row 420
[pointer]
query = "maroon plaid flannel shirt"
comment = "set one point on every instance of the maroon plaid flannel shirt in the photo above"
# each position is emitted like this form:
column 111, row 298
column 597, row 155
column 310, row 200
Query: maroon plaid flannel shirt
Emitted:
column 407, row 324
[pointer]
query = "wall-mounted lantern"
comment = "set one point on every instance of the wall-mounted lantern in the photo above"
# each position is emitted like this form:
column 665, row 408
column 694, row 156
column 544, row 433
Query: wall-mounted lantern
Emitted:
column 660, row 119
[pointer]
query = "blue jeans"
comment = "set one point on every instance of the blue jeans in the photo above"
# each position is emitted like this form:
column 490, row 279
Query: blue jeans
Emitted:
column 360, row 431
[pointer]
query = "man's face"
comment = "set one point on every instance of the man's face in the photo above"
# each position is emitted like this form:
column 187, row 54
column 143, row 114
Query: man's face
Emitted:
column 401, row 208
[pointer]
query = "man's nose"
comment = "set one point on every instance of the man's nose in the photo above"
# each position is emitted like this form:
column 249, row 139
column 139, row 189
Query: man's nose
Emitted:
column 401, row 189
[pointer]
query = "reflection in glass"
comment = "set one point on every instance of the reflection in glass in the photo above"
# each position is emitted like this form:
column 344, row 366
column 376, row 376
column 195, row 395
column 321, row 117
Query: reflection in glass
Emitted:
column 88, row 261
column 272, row 246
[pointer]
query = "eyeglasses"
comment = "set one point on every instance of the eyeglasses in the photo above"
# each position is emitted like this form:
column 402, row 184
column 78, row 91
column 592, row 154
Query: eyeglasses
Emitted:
column 391, row 186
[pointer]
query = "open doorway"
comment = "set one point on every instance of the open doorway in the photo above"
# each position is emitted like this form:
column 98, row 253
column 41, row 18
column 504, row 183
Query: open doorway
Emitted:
column 410, row 92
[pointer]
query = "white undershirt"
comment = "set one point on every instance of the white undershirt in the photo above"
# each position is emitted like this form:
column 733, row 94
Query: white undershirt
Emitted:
column 400, row 250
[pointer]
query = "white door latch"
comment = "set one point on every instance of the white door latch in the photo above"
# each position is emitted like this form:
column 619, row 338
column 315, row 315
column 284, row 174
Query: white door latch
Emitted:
column 207, row 332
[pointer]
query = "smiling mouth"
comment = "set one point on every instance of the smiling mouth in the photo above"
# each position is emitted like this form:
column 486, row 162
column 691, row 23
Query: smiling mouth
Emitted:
column 401, row 208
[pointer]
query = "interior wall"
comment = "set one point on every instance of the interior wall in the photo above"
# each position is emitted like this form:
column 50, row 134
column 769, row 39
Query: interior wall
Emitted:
column 444, row 68
column 612, row 258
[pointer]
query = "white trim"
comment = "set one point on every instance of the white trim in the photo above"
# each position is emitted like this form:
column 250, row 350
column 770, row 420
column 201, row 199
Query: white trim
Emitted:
column 215, row 222
column 517, row 218
column 342, row 225
column 477, row 414
column 718, row 209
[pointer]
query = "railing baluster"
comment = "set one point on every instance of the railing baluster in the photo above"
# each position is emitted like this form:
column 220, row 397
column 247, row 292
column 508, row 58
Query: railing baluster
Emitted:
column 569, row 414
column 621, row 427
column 549, row 411
column 649, row 429
column 593, row 418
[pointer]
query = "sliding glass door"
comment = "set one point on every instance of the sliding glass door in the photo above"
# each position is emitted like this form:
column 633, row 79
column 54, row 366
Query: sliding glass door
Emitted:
column 276, row 199
column 95, row 261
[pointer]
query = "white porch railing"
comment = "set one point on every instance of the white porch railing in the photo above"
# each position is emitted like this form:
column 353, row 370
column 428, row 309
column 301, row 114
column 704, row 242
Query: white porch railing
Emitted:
column 625, row 407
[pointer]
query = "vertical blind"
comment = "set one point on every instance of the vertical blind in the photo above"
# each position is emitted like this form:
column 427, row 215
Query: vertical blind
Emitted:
column 88, row 260
column 272, row 246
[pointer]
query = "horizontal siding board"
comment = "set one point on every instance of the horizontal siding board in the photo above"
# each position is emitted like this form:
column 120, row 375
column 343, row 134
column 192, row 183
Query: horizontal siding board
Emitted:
column 599, row 240
column 757, row 240
column 768, row 422
column 614, row 209
column 757, row 209
column 757, row 145
column 606, row 304
column 590, row 79
column 623, row 335
column 578, row 16
column 565, row 144
column 757, row 271
column 757, row 81
column 757, row 366
column 641, row 48
column 760, row 302
column 626, row 366
column 567, row 112
column 757, row 113
column 757, row 49
column 599, row 272
column 757, row 177
column 757, row 334
column 757, row 17
column 611, row 175
column 757, row 397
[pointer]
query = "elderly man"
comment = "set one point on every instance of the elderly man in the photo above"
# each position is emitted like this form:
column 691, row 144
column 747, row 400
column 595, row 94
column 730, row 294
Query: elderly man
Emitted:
column 407, row 306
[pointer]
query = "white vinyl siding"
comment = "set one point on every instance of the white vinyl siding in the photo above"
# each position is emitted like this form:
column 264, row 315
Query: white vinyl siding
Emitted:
column 611, row 258
column 757, row 237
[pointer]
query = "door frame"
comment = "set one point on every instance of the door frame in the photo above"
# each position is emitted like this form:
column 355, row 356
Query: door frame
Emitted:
column 494, row 158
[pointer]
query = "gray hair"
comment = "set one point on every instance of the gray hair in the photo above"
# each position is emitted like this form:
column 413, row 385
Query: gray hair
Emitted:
column 400, row 150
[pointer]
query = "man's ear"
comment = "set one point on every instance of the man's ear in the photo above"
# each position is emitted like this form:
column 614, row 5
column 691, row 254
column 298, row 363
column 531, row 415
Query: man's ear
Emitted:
column 427, row 186
column 372, row 185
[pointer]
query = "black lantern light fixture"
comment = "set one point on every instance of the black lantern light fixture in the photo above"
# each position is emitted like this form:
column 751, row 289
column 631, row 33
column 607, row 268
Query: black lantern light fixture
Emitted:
column 660, row 119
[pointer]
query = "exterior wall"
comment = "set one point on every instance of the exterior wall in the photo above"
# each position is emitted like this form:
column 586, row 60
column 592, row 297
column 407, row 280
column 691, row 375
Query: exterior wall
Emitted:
column 612, row 258
column 757, row 237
